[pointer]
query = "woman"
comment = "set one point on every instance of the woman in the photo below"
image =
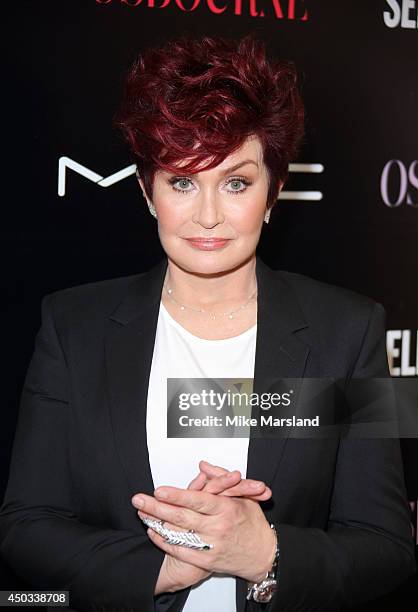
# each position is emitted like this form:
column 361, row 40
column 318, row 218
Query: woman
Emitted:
column 212, row 125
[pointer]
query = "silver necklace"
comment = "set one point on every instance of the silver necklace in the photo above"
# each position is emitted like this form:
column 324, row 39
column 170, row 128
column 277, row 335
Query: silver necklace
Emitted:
column 212, row 315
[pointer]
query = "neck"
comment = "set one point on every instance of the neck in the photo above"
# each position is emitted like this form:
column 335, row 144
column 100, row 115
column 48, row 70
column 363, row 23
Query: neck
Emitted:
column 227, row 288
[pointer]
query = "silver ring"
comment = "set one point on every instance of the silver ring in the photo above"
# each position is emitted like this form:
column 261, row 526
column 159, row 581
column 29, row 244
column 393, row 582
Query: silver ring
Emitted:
column 190, row 539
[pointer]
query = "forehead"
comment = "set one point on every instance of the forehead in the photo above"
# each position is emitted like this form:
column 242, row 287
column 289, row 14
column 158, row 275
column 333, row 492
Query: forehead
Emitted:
column 250, row 149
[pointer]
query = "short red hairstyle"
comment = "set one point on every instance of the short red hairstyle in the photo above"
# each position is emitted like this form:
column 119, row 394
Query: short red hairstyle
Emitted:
column 200, row 99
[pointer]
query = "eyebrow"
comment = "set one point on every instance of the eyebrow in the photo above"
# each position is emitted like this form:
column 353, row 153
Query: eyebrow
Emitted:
column 233, row 168
column 242, row 163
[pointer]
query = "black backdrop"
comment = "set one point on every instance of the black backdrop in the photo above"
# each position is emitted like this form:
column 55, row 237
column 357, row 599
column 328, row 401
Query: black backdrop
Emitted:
column 349, row 214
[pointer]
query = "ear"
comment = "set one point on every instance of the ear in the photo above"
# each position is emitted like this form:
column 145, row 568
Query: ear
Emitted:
column 142, row 187
column 281, row 183
column 139, row 179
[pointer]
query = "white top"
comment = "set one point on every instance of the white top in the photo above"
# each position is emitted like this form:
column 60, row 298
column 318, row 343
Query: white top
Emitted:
column 175, row 461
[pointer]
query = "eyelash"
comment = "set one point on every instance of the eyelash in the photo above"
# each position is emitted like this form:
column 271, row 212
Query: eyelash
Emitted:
column 175, row 179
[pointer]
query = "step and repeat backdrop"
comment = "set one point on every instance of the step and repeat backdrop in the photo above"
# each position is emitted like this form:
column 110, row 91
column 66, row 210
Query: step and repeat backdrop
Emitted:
column 72, row 209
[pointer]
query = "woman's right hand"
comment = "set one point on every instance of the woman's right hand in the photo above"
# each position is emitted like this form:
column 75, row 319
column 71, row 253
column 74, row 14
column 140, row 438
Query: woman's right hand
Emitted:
column 174, row 574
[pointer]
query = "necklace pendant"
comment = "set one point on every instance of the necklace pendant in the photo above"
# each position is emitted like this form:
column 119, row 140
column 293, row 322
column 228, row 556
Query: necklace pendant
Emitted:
column 231, row 316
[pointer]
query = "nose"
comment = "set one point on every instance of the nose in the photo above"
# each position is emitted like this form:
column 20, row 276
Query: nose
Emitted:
column 208, row 212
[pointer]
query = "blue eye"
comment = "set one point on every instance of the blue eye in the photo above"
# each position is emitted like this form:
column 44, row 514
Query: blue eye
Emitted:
column 183, row 182
column 235, row 181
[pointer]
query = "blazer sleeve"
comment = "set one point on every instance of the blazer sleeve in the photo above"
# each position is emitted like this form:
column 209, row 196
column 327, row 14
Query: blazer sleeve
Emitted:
column 41, row 537
column 367, row 549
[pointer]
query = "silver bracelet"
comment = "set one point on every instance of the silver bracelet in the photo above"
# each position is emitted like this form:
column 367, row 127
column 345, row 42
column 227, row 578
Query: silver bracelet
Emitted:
column 263, row 591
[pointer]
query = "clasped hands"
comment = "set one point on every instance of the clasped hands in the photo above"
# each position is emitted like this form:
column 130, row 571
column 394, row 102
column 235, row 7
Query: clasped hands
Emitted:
column 224, row 510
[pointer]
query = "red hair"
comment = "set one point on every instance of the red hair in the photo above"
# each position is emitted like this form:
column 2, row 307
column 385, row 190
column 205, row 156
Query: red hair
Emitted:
column 201, row 99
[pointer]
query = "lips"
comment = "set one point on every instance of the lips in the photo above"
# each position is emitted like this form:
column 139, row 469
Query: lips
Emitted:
column 207, row 244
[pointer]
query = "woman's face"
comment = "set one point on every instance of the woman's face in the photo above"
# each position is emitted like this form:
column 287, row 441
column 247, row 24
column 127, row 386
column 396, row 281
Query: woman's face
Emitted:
column 227, row 202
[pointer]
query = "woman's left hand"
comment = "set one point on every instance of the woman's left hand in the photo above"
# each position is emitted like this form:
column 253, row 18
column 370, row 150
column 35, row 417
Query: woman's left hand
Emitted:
column 244, row 543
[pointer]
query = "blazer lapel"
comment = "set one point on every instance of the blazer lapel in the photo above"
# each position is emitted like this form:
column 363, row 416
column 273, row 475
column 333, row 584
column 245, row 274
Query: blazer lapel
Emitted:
column 280, row 353
column 129, row 344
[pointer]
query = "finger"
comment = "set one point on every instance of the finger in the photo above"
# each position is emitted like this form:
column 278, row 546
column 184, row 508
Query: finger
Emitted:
column 199, row 501
column 200, row 558
column 212, row 472
column 255, row 488
column 247, row 487
column 183, row 518
column 218, row 484
column 182, row 512
column 167, row 524
column 256, row 491
column 234, row 492
column 199, row 482
column 211, row 469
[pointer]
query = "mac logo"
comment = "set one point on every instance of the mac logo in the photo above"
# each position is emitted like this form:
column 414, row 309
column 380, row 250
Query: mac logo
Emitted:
column 66, row 163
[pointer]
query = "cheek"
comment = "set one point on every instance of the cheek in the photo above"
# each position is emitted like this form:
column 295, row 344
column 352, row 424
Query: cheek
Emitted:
column 248, row 217
column 170, row 217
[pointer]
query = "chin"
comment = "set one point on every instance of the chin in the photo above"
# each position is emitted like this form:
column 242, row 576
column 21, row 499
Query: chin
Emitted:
column 201, row 265
column 208, row 262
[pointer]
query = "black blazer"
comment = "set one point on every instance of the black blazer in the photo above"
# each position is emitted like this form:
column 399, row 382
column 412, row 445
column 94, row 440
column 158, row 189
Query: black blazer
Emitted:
column 80, row 453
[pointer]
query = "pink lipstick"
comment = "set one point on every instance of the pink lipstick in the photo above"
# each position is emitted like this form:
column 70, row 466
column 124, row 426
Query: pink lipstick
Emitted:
column 207, row 244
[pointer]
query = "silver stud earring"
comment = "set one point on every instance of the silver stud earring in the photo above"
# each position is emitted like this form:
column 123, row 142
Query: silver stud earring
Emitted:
column 267, row 216
column 152, row 209
column 151, row 206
